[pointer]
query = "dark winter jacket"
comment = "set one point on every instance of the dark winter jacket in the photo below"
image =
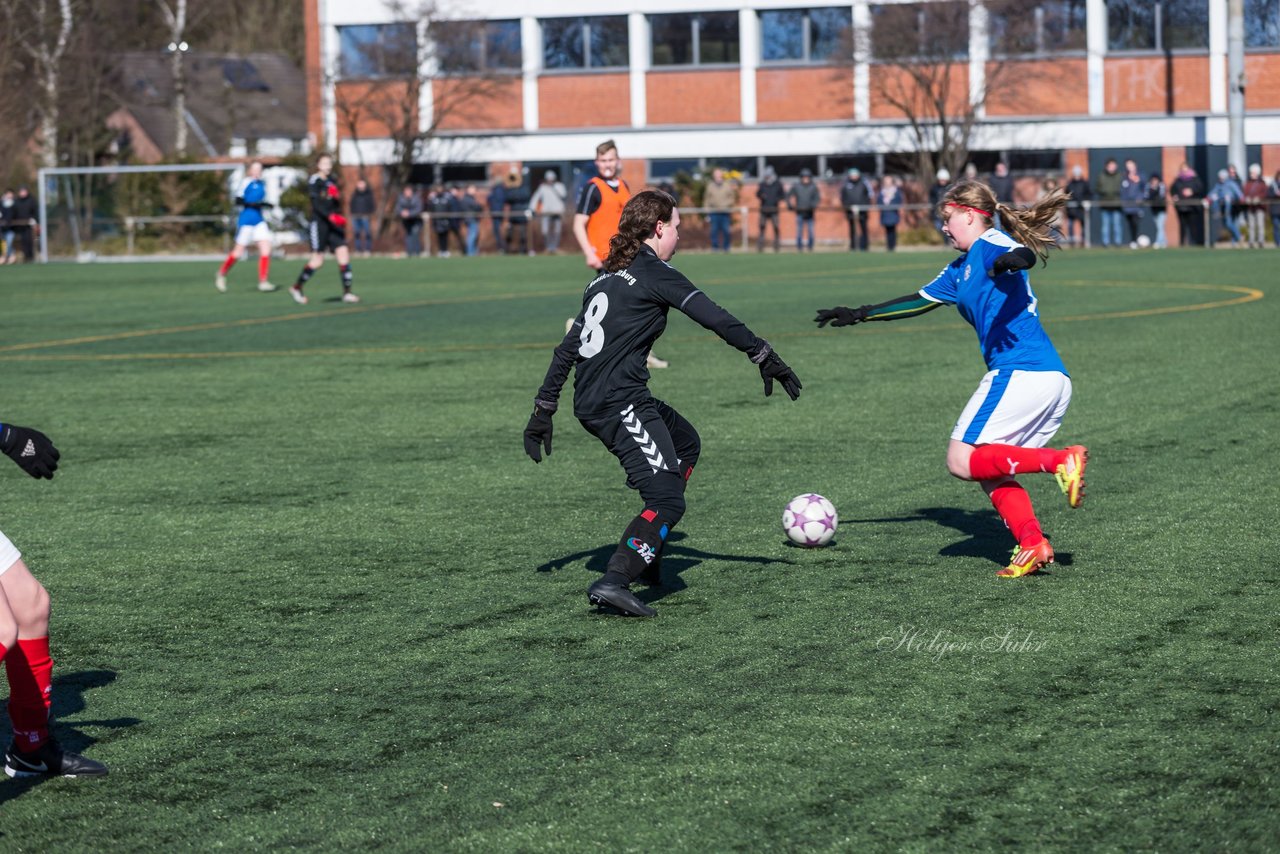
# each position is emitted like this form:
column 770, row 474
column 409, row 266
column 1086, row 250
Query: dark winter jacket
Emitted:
column 770, row 195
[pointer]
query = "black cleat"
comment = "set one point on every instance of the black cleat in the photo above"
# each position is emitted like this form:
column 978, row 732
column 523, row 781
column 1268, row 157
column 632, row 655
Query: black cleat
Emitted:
column 50, row 760
column 619, row 597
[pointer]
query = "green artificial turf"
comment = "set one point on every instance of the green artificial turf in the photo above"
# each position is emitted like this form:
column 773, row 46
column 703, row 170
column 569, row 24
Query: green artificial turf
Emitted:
column 308, row 591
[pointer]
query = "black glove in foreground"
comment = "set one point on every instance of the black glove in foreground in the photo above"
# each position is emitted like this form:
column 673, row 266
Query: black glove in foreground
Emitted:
column 840, row 316
column 537, row 433
column 773, row 368
column 30, row 449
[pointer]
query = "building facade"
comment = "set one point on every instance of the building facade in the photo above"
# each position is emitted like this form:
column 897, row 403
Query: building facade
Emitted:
column 1057, row 83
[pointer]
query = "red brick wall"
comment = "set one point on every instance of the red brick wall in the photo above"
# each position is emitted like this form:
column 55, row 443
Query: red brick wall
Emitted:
column 373, row 108
column 312, row 72
column 1262, row 81
column 463, row 103
column 693, row 97
column 890, row 84
column 804, row 94
column 1157, row 84
column 584, row 100
column 1060, row 87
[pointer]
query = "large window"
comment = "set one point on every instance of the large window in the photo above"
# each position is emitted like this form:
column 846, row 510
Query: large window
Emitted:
column 1262, row 23
column 1157, row 24
column 475, row 46
column 1050, row 26
column 585, row 42
column 709, row 38
column 805, row 35
column 920, row 31
column 377, row 50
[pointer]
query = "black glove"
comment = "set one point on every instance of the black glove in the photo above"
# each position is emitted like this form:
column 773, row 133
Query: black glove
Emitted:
column 773, row 368
column 30, row 449
column 1011, row 262
column 537, row 433
column 840, row 316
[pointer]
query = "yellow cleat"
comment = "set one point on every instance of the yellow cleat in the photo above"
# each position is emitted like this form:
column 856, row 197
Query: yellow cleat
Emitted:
column 1027, row 559
column 1070, row 474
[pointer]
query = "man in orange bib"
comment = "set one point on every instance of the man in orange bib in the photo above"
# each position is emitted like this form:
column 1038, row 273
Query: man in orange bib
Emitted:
column 599, row 209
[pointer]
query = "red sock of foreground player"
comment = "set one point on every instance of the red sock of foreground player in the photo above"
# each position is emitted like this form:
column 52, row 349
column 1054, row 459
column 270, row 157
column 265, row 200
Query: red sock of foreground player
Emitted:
column 264, row 263
column 1014, row 506
column 992, row 462
column 30, row 671
column 227, row 264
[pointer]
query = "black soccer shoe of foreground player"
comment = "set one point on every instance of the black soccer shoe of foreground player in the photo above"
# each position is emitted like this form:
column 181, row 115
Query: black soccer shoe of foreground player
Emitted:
column 50, row 760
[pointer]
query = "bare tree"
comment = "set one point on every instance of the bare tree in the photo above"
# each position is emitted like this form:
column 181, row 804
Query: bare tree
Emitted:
column 42, row 32
column 176, row 19
column 920, row 71
column 379, row 87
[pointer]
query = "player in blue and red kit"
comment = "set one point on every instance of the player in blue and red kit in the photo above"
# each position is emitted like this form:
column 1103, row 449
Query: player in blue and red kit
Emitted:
column 327, row 230
column 24, row 638
column 250, row 228
column 1020, row 403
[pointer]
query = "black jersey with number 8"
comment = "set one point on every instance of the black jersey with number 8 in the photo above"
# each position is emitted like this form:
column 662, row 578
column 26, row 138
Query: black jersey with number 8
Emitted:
column 623, row 313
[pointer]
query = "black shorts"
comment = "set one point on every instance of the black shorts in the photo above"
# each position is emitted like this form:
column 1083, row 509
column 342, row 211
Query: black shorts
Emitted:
column 324, row 236
column 648, row 438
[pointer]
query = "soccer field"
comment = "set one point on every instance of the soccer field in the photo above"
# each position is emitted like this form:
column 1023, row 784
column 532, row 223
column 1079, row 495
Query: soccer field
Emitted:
column 309, row 592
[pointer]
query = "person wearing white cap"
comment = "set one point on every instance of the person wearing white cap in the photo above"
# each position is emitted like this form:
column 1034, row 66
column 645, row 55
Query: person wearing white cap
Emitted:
column 936, row 192
column 1255, row 206
column 548, row 202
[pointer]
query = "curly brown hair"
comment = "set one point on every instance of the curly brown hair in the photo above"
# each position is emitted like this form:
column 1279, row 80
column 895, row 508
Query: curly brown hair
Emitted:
column 640, row 216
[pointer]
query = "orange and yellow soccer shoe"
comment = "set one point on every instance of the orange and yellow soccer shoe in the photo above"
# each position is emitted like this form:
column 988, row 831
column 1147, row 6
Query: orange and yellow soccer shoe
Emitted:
column 1027, row 559
column 1070, row 474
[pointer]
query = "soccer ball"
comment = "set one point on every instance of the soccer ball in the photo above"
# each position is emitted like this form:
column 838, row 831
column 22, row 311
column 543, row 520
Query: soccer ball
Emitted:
column 1143, row 241
column 809, row 520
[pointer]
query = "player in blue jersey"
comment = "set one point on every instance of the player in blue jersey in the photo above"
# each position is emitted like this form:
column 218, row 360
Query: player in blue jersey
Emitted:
column 1019, row 404
column 250, row 228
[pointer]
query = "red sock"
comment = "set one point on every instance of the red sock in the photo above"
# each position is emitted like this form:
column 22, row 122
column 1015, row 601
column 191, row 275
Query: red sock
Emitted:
column 1014, row 506
column 992, row 462
column 264, row 262
column 30, row 671
column 227, row 264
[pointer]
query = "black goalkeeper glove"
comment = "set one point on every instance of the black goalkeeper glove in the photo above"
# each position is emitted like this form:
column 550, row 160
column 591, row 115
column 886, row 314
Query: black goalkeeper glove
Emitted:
column 773, row 368
column 1021, row 258
column 840, row 316
column 30, row 449
column 537, row 433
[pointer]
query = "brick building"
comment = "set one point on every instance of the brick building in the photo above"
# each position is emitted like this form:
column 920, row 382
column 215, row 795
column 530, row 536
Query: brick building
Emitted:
column 785, row 84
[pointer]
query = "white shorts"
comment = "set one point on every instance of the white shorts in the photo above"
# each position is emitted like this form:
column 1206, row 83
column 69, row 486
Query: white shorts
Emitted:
column 1022, row 408
column 247, row 235
column 9, row 554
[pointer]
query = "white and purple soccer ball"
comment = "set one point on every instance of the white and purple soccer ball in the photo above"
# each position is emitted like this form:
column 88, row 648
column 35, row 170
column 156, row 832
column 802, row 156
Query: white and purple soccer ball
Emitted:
column 810, row 520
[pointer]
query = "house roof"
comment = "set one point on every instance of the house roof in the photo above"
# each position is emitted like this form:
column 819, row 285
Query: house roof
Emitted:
column 254, row 96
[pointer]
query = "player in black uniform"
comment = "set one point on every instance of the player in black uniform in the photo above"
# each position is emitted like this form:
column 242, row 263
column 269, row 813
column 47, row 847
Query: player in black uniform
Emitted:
column 327, row 230
column 624, row 310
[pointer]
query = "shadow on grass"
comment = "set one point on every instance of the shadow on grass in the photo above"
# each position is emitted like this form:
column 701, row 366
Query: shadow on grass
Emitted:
column 68, row 699
column 676, row 559
column 986, row 536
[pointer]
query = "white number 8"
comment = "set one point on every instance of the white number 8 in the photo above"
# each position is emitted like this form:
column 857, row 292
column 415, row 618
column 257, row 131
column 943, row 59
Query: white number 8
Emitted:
column 592, row 335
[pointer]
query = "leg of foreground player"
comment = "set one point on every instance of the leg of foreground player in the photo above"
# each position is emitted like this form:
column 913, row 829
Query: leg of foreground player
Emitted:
column 24, row 643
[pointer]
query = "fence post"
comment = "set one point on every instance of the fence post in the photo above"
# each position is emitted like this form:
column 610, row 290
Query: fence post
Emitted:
column 128, row 235
column 1210, row 239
